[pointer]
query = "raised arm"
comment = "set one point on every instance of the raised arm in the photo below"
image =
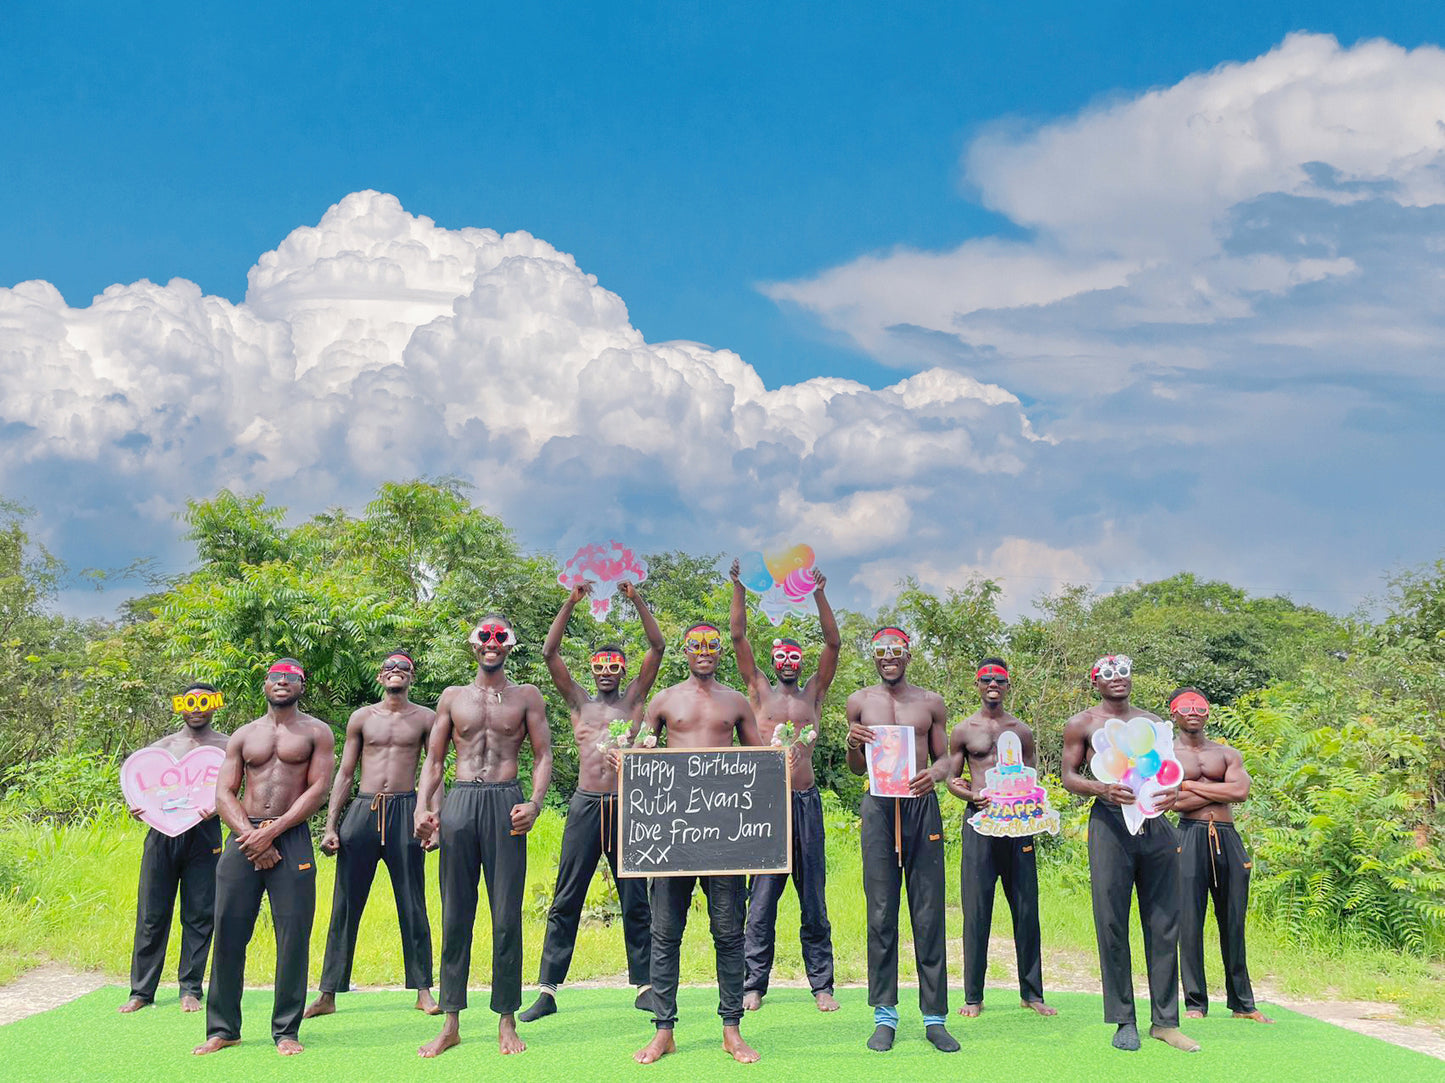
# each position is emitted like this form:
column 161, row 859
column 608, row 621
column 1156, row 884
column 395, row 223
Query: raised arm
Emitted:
column 647, row 673
column 540, row 735
column 562, row 677
column 738, row 630
column 341, row 787
column 828, row 660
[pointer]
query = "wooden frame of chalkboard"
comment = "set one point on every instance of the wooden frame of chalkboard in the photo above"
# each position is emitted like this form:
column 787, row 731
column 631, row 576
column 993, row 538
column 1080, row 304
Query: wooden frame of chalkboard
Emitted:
column 657, row 850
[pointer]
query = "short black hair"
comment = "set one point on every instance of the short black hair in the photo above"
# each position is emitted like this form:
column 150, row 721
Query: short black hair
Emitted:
column 495, row 617
column 993, row 660
column 611, row 648
column 1186, row 688
column 201, row 686
column 290, row 662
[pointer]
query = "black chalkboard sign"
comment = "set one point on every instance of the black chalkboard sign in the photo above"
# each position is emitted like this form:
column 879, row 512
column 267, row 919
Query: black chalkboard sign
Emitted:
column 704, row 811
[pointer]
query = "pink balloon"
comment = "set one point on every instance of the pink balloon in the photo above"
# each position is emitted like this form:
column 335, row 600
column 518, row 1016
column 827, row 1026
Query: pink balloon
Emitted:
column 798, row 584
column 1171, row 773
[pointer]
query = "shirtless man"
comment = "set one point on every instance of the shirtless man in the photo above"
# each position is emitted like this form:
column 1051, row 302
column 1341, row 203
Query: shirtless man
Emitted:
column 483, row 825
column 699, row 713
column 1212, row 860
column 775, row 704
column 988, row 859
column 187, row 862
column 284, row 759
column 591, row 829
column 903, row 837
column 387, row 738
column 1118, row 863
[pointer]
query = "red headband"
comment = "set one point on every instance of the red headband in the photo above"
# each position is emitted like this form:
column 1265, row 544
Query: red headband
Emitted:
column 992, row 670
column 1189, row 699
column 287, row 667
column 899, row 632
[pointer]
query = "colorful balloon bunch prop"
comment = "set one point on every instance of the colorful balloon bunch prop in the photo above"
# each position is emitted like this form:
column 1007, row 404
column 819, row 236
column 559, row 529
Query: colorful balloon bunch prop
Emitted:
column 783, row 578
column 606, row 566
column 1138, row 754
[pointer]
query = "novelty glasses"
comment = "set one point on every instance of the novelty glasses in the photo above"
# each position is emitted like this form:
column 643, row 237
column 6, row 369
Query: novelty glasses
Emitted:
column 787, row 656
column 610, row 665
column 702, row 641
column 887, row 651
column 488, row 634
column 1114, row 666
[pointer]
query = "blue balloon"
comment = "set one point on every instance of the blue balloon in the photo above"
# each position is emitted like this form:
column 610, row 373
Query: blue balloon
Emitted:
column 1148, row 764
column 753, row 571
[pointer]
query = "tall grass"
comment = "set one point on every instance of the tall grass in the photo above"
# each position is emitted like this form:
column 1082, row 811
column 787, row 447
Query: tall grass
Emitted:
column 67, row 893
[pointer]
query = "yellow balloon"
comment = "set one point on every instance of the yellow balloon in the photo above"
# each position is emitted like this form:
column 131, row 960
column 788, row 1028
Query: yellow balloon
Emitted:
column 1138, row 736
column 788, row 560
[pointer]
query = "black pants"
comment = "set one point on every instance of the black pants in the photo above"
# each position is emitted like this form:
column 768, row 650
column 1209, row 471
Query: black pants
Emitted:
column 187, row 862
column 912, row 824
column 477, row 841
column 1118, row 863
column 987, row 859
column 290, row 887
column 810, row 861
column 1212, row 861
column 726, row 903
column 591, row 832
column 378, row 827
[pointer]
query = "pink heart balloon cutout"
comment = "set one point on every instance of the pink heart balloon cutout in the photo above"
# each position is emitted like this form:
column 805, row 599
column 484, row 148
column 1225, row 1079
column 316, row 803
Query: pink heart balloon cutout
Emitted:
column 170, row 793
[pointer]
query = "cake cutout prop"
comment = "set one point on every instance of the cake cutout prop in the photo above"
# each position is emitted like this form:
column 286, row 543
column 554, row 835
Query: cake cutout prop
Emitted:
column 1017, row 804
column 1138, row 754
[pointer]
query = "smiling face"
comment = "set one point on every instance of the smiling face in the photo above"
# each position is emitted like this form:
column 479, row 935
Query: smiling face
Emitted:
column 1113, row 676
column 609, row 666
column 285, row 682
column 992, row 683
column 491, row 641
column 702, row 647
column 891, row 654
column 396, row 673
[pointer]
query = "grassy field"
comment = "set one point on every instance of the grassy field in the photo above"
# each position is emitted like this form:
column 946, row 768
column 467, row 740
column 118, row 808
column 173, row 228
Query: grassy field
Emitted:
column 68, row 894
column 376, row 1034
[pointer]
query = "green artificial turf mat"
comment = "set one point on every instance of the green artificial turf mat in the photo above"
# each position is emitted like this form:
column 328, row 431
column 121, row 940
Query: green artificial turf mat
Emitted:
column 375, row 1035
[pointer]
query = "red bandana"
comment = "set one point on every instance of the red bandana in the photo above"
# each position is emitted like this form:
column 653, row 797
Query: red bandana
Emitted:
column 288, row 667
column 991, row 670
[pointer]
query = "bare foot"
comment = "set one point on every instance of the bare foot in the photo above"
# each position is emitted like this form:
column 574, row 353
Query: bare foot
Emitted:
column 212, row 1045
column 660, row 1046
column 289, row 1047
column 826, row 1003
column 324, row 1004
column 752, row 1000
column 970, row 1011
column 449, row 1037
column 1175, row 1037
column 1256, row 1015
column 1038, row 1006
column 425, row 1002
column 134, row 1004
column 1194, row 1013
column 189, row 1003
column 733, row 1043
column 507, row 1040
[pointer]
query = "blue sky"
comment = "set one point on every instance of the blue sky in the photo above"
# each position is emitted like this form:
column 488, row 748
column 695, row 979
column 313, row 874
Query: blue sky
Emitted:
column 723, row 169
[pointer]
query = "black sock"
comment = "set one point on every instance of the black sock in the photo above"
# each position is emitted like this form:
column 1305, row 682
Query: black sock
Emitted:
column 882, row 1039
column 545, row 1004
column 943, row 1041
column 1127, row 1037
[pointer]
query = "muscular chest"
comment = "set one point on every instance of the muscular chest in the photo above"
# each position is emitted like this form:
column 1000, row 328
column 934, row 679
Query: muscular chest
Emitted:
column 1208, row 765
column 482, row 715
column 267, row 745
column 792, row 706
column 887, row 711
column 383, row 733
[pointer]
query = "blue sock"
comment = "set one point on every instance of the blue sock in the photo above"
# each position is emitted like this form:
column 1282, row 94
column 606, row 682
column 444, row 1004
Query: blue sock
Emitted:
column 886, row 1015
column 932, row 1020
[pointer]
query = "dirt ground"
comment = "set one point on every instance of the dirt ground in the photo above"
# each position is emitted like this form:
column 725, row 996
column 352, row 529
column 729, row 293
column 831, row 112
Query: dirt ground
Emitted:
column 52, row 985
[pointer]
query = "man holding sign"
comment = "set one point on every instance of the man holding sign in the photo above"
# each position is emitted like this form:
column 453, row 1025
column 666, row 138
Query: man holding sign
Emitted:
column 284, row 760
column 591, row 829
column 902, row 836
column 699, row 713
column 776, row 705
column 988, row 859
column 186, row 861
column 1120, row 861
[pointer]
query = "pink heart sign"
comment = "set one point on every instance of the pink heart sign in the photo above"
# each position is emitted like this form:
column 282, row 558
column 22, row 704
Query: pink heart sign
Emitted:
column 172, row 794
